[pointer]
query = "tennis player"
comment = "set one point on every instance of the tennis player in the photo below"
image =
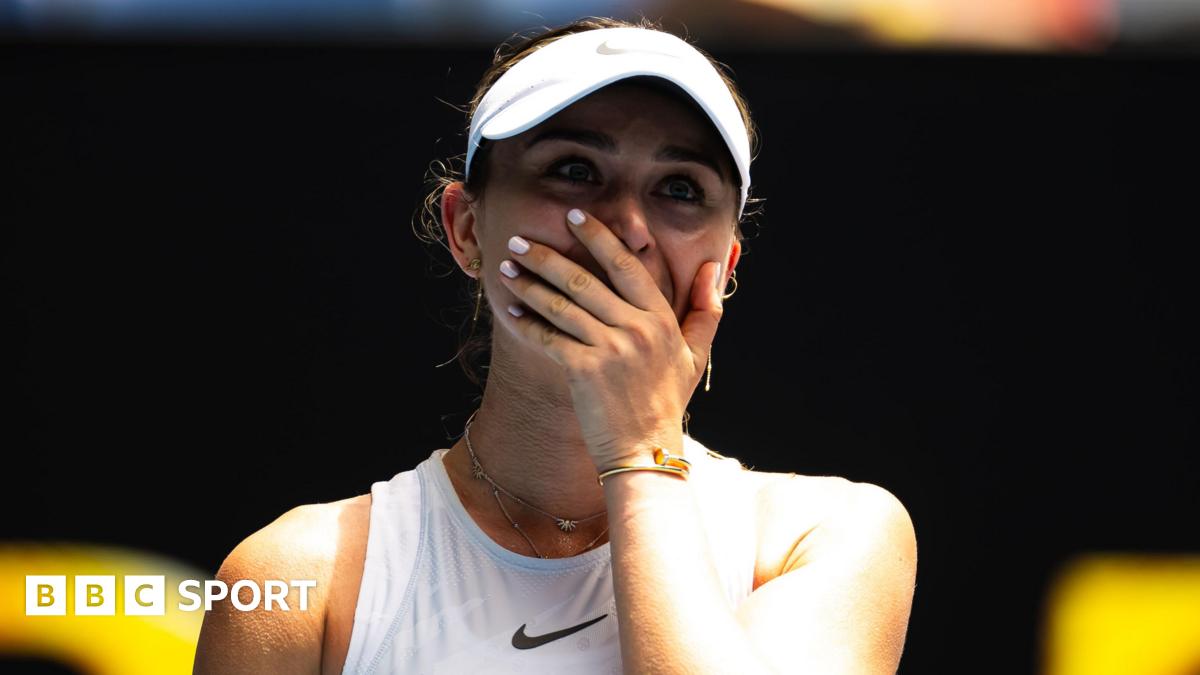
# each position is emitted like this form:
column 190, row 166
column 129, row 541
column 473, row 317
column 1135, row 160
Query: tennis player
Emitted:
column 575, row 527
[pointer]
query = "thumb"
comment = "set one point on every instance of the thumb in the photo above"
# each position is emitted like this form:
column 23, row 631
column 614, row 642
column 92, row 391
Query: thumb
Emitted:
column 705, row 297
column 699, row 327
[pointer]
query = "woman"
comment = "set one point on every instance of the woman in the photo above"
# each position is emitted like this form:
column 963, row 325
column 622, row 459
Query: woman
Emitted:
column 575, row 527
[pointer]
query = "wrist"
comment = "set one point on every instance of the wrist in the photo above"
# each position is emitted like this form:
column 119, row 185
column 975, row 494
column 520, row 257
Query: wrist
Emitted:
column 661, row 460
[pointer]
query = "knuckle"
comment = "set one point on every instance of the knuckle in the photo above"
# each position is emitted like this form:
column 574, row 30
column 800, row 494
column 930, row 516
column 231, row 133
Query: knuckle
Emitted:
column 663, row 323
column 578, row 281
column 624, row 261
column 645, row 334
column 637, row 342
column 559, row 305
column 626, row 350
column 547, row 334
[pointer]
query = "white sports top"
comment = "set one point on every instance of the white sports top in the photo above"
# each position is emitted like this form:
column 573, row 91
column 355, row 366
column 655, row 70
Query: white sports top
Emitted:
column 440, row 596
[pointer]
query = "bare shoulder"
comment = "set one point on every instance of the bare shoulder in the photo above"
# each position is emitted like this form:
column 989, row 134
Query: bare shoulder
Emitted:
column 803, row 519
column 316, row 542
column 304, row 539
column 835, row 575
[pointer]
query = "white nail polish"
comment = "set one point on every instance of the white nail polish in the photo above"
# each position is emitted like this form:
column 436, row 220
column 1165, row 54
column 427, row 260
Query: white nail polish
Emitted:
column 515, row 311
column 518, row 245
column 576, row 217
column 508, row 269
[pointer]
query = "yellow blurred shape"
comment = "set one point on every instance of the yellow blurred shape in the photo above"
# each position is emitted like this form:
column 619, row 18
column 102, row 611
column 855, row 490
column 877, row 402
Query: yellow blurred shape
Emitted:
column 97, row 645
column 1006, row 25
column 1124, row 614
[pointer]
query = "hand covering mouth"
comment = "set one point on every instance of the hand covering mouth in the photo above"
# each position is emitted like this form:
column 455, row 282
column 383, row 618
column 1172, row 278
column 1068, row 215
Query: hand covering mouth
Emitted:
column 594, row 267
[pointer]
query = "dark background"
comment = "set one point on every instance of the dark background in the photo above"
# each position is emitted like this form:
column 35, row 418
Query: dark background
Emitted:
column 972, row 285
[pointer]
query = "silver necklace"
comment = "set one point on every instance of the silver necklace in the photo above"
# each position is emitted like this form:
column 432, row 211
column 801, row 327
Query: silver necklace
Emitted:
column 567, row 525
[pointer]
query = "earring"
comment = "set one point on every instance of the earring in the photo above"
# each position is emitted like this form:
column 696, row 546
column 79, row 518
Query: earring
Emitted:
column 724, row 296
column 733, row 278
column 708, row 377
column 474, row 265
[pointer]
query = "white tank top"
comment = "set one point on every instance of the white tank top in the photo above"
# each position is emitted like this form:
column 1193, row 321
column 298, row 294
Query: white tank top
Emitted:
column 438, row 596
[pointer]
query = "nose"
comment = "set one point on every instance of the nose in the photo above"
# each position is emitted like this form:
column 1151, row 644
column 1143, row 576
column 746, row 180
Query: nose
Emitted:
column 624, row 214
column 624, row 211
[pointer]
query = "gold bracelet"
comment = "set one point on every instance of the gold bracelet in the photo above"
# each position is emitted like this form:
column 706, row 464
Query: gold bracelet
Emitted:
column 664, row 458
column 663, row 461
column 621, row 469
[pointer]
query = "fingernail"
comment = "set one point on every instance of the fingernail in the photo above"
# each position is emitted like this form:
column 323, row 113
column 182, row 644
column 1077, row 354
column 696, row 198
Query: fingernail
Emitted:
column 518, row 245
column 576, row 217
column 515, row 311
column 508, row 269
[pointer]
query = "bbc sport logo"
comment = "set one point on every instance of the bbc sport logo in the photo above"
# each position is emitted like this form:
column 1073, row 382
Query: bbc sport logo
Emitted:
column 146, row 594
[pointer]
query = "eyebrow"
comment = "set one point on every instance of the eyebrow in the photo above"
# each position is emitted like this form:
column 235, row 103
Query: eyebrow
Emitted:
column 605, row 143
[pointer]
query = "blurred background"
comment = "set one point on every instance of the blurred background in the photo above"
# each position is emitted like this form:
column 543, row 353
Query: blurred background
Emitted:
column 972, row 283
column 754, row 24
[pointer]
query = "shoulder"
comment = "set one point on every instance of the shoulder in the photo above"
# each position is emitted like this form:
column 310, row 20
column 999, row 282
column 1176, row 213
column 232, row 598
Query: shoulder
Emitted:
column 302, row 539
column 870, row 522
column 804, row 519
column 829, row 546
column 309, row 542
column 304, row 542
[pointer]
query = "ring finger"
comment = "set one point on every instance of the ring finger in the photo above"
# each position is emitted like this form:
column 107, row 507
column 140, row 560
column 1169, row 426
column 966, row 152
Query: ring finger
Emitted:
column 550, row 304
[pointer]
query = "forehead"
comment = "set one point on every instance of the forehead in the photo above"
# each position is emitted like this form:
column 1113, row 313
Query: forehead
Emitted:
column 648, row 108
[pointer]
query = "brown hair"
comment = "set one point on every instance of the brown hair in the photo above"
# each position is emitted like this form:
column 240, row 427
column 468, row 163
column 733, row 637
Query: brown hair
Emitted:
column 476, row 346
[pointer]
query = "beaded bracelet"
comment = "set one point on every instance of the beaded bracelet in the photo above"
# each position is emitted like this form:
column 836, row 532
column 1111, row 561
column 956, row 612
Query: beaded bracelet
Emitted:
column 663, row 461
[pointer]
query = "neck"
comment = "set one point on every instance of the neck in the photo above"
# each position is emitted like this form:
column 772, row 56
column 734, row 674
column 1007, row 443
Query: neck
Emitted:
column 527, row 439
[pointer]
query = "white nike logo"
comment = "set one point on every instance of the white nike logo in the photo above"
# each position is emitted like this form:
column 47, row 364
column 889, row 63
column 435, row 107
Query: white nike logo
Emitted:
column 605, row 48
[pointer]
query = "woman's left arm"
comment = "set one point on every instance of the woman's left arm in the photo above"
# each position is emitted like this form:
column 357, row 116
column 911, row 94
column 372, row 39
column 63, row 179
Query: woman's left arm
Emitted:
column 632, row 367
column 842, row 609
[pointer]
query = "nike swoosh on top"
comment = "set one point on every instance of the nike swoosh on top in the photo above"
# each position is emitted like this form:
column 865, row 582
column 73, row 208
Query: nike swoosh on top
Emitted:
column 605, row 48
column 522, row 641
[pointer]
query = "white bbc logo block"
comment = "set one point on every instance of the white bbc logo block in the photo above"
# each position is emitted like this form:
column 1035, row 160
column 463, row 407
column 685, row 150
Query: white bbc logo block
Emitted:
column 95, row 595
column 45, row 595
column 145, row 595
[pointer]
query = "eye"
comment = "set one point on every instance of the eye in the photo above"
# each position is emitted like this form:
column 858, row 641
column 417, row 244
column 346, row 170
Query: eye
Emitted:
column 684, row 189
column 577, row 170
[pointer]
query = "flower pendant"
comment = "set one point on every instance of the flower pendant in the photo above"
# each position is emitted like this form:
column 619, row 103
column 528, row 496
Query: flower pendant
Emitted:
column 566, row 525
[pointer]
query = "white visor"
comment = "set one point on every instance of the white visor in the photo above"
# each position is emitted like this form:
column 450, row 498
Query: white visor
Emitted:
column 571, row 67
